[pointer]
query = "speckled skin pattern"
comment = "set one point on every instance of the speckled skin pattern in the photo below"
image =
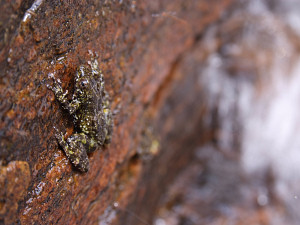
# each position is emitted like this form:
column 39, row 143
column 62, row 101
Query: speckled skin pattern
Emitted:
column 90, row 109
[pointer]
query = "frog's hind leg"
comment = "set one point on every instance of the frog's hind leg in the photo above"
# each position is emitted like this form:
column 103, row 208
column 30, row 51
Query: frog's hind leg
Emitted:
column 75, row 150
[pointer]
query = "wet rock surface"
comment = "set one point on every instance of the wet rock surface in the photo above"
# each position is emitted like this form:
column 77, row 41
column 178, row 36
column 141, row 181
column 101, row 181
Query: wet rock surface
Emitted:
column 138, row 44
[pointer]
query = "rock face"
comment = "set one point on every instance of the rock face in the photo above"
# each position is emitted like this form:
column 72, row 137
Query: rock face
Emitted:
column 147, row 52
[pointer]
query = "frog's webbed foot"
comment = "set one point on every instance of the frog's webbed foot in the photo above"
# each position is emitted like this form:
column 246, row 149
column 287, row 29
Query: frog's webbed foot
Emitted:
column 75, row 150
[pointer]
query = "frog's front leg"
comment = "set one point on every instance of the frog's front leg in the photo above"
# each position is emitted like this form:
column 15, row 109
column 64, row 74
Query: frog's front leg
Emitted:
column 74, row 147
column 61, row 95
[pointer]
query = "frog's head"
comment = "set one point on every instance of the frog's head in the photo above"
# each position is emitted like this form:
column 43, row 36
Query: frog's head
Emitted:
column 82, row 77
column 83, row 82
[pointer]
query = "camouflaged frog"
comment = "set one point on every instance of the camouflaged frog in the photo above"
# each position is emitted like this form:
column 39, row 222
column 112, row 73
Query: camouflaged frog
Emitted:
column 90, row 110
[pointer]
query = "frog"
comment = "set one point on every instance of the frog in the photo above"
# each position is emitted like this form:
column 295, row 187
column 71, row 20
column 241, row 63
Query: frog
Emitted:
column 90, row 109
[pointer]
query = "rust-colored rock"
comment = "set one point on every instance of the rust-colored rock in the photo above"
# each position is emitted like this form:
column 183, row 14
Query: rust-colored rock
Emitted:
column 141, row 47
column 14, row 181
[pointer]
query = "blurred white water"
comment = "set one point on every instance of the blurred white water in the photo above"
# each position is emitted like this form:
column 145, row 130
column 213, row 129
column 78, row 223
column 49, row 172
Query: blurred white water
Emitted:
column 262, row 96
column 248, row 67
column 272, row 127
column 271, row 120
column 271, row 136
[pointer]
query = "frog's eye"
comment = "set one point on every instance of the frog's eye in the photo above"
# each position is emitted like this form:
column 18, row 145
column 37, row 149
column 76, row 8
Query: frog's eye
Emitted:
column 83, row 83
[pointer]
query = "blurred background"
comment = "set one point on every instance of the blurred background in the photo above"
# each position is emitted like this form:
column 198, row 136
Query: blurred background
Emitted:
column 249, row 173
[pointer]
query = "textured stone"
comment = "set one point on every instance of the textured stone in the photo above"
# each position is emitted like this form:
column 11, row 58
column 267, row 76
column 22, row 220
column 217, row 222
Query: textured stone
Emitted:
column 140, row 46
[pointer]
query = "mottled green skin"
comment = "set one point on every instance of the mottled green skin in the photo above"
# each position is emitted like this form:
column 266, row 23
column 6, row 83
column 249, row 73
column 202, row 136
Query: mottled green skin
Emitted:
column 90, row 109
